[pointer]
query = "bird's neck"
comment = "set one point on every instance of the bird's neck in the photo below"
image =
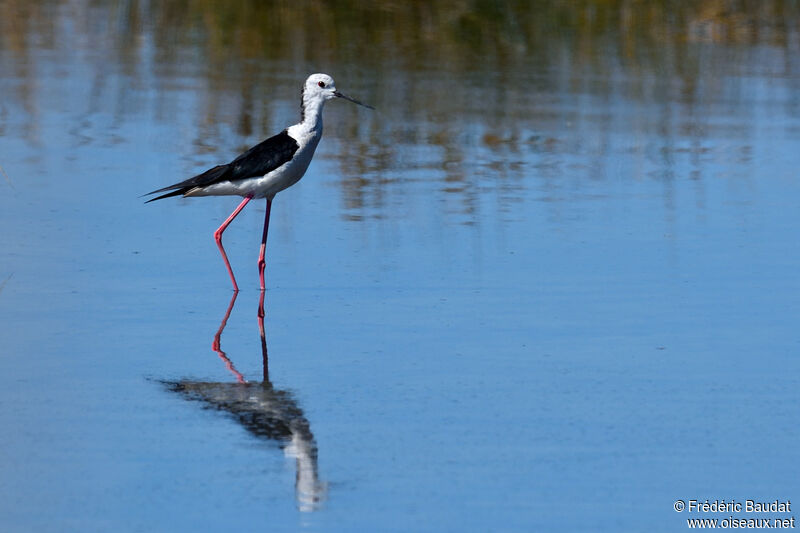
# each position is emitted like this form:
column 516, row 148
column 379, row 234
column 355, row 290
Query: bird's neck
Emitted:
column 311, row 113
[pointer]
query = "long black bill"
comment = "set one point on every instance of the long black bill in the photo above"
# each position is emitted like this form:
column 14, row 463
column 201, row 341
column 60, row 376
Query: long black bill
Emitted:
column 340, row 95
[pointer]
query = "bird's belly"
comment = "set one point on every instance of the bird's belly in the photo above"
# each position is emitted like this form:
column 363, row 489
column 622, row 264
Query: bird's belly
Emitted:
column 281, row 178
column 269, row 184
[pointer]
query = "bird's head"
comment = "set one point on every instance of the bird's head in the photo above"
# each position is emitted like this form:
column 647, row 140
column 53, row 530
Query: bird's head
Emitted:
column 322, row 86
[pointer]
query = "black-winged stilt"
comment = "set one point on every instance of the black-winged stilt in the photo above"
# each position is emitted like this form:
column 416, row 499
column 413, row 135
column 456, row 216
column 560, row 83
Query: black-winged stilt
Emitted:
column 267, row 168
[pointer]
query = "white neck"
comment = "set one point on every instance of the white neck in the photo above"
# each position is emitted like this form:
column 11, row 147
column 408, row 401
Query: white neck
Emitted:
column 311, row 112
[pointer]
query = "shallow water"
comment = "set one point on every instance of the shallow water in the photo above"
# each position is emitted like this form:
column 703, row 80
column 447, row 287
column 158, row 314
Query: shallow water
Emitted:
column 550, row 284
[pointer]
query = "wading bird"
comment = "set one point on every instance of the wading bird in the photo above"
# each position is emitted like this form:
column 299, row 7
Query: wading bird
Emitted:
column 267, row 168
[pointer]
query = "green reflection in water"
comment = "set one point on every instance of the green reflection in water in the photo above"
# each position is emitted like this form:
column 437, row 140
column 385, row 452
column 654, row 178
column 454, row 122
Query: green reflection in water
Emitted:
column 473, row 95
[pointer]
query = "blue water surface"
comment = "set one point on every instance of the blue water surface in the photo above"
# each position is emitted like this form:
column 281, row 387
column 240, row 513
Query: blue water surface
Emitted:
column 551, row 300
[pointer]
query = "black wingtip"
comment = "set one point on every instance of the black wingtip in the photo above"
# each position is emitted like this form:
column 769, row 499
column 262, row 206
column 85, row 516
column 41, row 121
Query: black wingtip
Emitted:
column 156, row 192
column 179, row 192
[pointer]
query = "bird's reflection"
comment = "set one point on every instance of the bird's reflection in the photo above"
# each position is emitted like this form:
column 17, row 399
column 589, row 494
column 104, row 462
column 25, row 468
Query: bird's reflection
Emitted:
column 264, row 411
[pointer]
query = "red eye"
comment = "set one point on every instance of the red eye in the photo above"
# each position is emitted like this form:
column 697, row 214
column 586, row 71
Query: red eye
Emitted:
column 321, row 84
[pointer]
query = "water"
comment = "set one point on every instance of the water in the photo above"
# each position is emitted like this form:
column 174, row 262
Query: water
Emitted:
column 550, row 284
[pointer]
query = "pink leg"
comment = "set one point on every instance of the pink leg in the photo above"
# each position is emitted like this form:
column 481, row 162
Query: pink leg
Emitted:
column 262, row 263
column 218, row 238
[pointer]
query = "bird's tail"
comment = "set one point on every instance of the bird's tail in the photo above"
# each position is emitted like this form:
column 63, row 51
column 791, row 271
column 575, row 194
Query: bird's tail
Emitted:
column 208, row 177
column 179, row 192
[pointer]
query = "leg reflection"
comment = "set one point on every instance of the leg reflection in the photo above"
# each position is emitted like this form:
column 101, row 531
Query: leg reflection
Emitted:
column 217, row 342
column 264, row 356
column 264, row 411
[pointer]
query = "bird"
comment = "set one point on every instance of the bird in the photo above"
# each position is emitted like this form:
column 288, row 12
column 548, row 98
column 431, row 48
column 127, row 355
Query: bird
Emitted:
column 268, row 167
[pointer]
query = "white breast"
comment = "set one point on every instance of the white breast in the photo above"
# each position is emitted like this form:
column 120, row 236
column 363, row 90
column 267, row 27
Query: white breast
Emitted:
column 279, row 179
column 291, row 172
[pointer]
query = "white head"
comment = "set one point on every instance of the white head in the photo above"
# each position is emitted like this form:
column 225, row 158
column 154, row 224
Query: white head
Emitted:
column 321, row 87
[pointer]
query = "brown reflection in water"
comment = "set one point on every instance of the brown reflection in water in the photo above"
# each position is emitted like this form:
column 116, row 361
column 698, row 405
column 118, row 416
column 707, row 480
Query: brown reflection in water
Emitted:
column 472, row 96
column 264, row 411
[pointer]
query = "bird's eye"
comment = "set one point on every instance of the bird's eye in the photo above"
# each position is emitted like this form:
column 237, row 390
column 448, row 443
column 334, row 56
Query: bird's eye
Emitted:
column 321, row 84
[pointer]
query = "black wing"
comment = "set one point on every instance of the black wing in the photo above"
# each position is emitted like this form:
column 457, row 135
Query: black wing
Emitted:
column 262, row 158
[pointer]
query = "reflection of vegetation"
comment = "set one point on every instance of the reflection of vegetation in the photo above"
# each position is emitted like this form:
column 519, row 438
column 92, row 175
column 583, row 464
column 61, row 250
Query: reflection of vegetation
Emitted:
column 447, row 34
column 478, row 81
